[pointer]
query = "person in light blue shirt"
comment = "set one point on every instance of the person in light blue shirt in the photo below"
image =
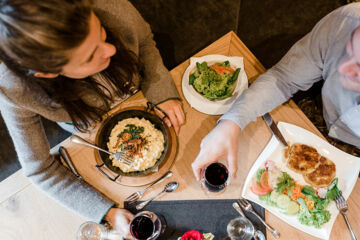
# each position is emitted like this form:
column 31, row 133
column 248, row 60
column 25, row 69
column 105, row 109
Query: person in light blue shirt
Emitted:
column 331, row 51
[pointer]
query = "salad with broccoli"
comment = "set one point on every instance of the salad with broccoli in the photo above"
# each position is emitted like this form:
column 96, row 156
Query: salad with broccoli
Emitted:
column 215, row 82
column 279, row 189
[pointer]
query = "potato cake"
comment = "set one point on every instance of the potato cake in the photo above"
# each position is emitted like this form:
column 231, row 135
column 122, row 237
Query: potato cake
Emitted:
column 323, row 175
column 303, row 158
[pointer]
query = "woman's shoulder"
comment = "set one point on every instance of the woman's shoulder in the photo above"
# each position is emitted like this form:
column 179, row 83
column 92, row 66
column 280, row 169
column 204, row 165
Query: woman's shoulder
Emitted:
column 121, row 17
column 14, row 91
column 8, row 80
column 113, row 6
column 11, row 86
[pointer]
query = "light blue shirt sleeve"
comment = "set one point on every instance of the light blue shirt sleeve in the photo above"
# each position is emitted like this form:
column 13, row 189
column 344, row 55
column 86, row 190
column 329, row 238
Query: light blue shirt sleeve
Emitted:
column 299, row 69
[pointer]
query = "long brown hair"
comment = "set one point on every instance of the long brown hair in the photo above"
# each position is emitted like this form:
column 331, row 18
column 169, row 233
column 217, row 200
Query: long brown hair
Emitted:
column 34, row 37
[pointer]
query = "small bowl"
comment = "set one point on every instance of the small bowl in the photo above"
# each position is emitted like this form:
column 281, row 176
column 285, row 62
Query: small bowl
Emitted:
column 210, row 63
column 213, row 107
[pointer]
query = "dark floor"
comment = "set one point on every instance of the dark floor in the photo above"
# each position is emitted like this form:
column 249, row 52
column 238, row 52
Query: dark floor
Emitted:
column 267, row 27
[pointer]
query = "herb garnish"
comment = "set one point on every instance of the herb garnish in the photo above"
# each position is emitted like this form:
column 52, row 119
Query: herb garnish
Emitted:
column 285, row 182
column 133, row 130
column 132, row 142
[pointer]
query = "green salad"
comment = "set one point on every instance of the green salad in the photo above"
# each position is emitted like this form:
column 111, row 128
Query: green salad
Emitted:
column 215, row 82
column 279, row 189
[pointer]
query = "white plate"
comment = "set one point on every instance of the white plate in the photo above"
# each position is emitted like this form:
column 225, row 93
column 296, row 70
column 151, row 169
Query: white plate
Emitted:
column 347, row 170
column 204, row 105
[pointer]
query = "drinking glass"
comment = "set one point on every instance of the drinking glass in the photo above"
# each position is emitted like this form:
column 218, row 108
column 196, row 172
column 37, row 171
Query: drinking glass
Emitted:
column 94, row 231
column 214, row 178
column 147, row 225
column 240, row 229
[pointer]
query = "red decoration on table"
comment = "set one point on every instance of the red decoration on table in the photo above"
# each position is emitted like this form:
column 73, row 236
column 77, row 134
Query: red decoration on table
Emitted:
column 192, row 235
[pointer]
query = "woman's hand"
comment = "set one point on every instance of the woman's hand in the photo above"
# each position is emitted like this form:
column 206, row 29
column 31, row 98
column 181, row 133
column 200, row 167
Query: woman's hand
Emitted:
column 220, row 143
column 120, row 220
column 175, row 113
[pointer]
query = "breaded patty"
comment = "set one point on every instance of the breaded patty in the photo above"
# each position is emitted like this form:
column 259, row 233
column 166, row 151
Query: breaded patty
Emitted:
column 323, row 175
column 303, row 158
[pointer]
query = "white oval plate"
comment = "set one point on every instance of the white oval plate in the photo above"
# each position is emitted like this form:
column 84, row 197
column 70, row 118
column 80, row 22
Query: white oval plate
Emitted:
column 204, row 105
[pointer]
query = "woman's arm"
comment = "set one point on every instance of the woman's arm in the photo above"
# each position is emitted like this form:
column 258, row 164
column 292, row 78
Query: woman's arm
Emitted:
column 45, row 171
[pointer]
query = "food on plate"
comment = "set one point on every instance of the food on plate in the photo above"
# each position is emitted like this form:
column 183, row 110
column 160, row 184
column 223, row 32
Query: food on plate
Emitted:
column 303, row 158
column 317, row 170
column 214, row 82
column 323, row 175
column 277, row 188
column 139, row 140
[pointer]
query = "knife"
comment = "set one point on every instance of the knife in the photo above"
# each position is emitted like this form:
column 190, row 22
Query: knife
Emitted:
column 66, row 157
column 271, row 124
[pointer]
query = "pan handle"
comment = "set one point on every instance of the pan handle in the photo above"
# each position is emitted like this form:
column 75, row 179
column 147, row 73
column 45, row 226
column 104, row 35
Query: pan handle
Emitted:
column 151, row 107
column 99, row 168
column 67, row 159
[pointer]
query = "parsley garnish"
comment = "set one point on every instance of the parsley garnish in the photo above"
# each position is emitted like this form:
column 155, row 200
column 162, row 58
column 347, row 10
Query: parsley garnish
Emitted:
column 285, row 182
column 133, row 130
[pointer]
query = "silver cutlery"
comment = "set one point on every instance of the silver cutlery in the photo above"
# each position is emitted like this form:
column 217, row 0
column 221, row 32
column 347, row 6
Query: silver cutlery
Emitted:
column 271, row 124
column 342, row 205
column 137, row 195
column 247, row 206
column 237, row 207
column 120, row 156
column 169, row 187
column 258, row 235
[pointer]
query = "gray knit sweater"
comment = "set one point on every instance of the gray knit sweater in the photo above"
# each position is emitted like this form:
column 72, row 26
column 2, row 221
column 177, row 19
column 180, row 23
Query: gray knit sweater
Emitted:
column 22, row 104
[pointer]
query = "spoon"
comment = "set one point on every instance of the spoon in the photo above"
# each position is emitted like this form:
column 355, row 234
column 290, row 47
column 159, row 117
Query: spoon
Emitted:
column 169, row 187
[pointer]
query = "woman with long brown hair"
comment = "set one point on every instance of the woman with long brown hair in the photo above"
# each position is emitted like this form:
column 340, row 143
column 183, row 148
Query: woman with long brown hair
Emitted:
column 70, row 61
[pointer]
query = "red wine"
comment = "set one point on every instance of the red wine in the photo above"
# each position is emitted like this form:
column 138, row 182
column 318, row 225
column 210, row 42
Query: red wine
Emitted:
column 216, row 175
column 142, row 227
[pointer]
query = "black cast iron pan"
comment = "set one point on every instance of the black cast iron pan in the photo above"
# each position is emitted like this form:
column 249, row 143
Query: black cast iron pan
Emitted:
column 109, row 124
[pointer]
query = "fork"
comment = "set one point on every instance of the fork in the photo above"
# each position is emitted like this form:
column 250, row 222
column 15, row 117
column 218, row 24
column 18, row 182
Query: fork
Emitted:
column 341, row 204
column 247, row 206
column 137, row 195
column 119, row 156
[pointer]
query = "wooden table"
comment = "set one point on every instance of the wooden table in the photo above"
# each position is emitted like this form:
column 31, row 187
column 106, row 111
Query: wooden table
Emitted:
column 22, row 211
